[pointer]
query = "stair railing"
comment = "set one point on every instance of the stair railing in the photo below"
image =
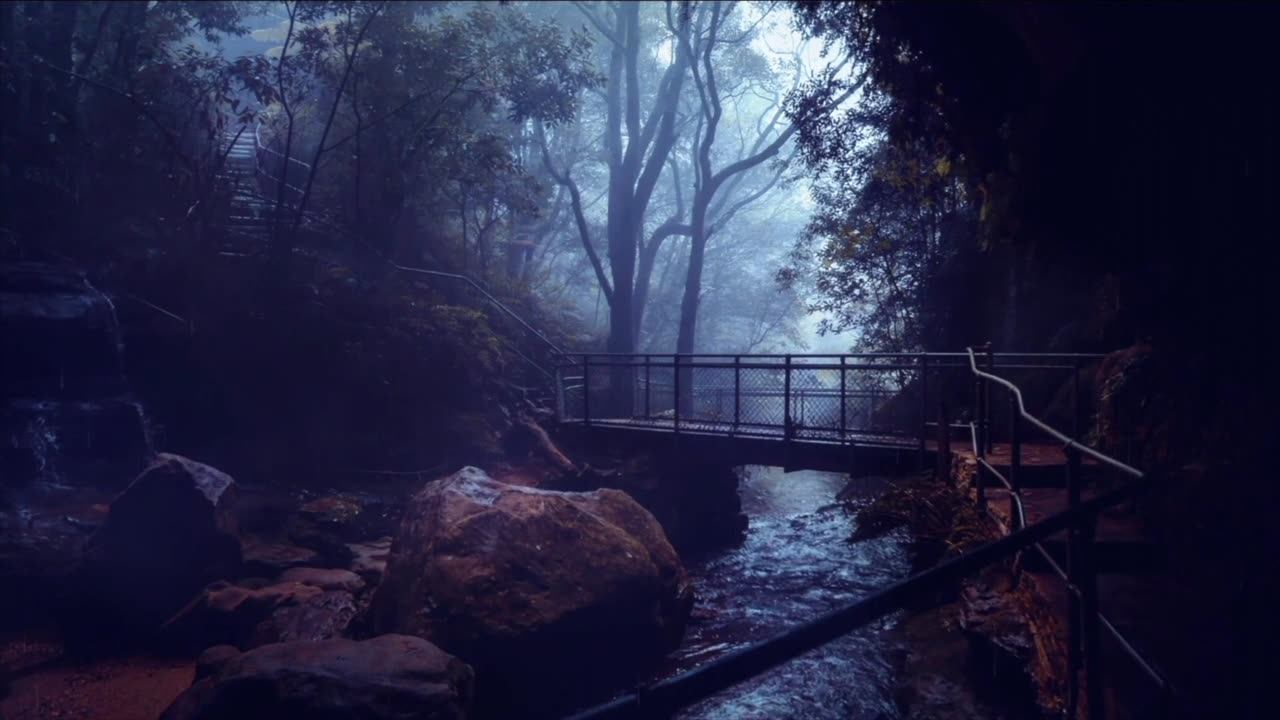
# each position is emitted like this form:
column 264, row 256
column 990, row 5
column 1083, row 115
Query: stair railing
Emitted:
column 1085, row 620
column 261, row 149
column 542, row 368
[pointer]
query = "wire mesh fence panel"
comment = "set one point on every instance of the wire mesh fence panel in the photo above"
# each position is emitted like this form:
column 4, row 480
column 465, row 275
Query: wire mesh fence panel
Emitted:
column 815, row 403
column 655, row 393
column 709, row 397
column 761, row 399
column 877, row 402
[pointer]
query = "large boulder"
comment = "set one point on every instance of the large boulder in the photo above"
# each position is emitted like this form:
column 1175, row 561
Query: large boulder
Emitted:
column 547, row 593
column 392, row 677
column 169, row 534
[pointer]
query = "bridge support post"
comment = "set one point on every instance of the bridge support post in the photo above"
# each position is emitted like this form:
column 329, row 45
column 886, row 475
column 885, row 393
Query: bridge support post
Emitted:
column 787, row 429
column 737, row 392
column 675, row 419
column 844, row 423
column 648, row 364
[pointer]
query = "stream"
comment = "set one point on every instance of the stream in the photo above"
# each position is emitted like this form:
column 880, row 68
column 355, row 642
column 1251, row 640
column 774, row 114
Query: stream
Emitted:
column 795, row 564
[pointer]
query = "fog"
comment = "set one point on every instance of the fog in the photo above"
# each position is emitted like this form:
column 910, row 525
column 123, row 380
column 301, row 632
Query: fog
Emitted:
column 537, row 211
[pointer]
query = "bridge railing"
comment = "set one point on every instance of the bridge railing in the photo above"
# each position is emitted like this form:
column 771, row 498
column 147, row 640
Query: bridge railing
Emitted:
column 863, row 398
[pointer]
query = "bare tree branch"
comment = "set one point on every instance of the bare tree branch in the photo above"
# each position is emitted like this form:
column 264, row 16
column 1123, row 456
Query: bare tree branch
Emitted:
column 575, row 198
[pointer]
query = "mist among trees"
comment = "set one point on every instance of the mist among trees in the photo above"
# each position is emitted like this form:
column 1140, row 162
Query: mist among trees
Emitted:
column 638, row 166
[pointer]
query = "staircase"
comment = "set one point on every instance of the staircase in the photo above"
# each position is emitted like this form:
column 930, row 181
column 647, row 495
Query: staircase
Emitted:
column 248, row 225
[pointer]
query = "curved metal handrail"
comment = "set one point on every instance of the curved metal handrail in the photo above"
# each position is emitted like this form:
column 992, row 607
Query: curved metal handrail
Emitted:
column 1069, row 444
column 1067, row 441
column 257, row 139
column 1022, row 514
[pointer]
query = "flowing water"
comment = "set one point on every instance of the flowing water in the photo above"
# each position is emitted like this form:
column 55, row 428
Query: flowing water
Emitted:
column 68, row 417
column 795, row 564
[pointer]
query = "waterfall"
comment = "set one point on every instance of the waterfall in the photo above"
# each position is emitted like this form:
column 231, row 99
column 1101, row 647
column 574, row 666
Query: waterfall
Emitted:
column 69, row 416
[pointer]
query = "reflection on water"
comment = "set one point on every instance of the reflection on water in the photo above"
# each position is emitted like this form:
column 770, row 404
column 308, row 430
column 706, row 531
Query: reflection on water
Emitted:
column 794, row 565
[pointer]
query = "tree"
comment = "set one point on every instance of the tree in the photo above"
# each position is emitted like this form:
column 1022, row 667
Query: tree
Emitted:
column 636, row 151
column 715, row 198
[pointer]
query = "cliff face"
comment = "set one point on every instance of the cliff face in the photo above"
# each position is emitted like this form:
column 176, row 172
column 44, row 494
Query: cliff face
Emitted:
column 1131, row 200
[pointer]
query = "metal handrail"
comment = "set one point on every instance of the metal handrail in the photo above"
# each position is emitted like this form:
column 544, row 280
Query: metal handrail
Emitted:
column 1022, row 515
column 1069, row 445
column 257, row 138
column 1068, row 442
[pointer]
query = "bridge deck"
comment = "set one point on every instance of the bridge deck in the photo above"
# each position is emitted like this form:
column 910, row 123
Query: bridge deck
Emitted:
column 800, row 435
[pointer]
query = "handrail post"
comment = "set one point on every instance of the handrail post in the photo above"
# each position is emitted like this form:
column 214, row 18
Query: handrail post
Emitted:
column 737, row 392
column 944, row 444
column 1074, row 567
column 986, row 401
column 844, row 423
column 1090, row 625
column 980, row 482
column 924, row 404
column 786, row 400
column 675, row 419
column 648, row 364
column 1015, row 458
column 1075, row 399
column 586, row 389
column 978, row 393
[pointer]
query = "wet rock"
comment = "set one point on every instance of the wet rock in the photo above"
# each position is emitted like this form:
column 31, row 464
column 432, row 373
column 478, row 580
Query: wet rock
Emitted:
column 254, row 583
column 271, row 559
column 333, row 510
column 225, row 614
column 388, row 677
column 324, row 578
column 369, row 559
column 538, row 589
column 213, row 659
column 170, row 533
column 696, row 500
column 330, row 549
column 347, row 518
column 317, row 617
column 66, row 414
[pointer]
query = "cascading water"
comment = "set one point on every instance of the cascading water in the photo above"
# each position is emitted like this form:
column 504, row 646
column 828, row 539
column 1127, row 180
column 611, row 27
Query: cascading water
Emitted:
column 795, row 564
column 69, row 417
